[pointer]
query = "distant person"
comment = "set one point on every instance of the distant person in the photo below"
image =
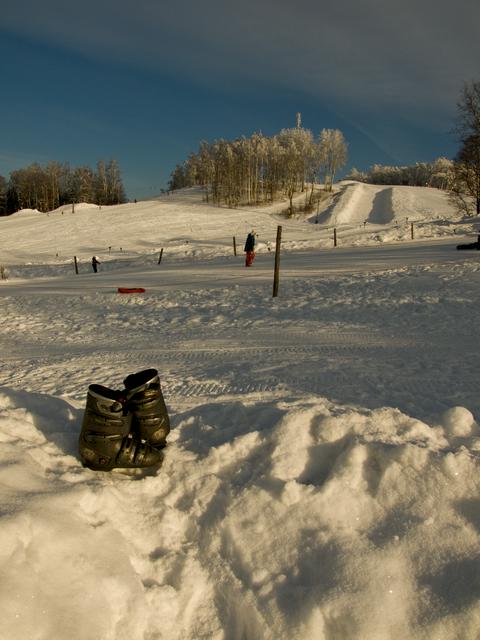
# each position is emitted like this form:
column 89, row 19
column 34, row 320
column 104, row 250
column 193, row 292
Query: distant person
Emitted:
column 95, row 262
column 250, row 248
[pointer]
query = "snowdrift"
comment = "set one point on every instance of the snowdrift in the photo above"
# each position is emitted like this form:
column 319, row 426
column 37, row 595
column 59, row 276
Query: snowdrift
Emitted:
column 270, row 519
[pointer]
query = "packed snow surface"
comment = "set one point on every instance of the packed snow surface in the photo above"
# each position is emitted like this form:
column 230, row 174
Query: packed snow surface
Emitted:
column 321, row 480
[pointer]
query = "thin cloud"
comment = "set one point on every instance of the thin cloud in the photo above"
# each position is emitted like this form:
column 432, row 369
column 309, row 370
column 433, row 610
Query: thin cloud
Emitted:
column 409, row 58
column 367, row 52
column 9, row 160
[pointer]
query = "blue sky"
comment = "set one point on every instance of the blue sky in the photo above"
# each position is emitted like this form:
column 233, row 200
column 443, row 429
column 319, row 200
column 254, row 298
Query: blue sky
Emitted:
column 145, row 82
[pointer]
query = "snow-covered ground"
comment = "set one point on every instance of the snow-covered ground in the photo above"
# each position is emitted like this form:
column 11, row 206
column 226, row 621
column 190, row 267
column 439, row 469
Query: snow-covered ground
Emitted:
column 322, row 477
column 186, row 227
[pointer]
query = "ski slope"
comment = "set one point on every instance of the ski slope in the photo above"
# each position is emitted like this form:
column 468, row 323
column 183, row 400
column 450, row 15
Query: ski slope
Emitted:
column 185, row 226
column 322, row 475
column 356, row 203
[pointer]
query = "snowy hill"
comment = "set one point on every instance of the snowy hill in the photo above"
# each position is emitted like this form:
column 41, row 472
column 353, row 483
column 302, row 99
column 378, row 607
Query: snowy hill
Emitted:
column 357, row 203
column 185, row 226
column 321, row 480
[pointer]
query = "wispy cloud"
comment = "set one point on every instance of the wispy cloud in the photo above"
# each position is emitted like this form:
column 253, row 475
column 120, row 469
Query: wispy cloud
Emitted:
column 411, row 56
column 9, row 159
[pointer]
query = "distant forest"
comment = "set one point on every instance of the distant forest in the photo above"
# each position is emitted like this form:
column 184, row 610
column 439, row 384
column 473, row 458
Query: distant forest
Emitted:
column 437, row 174
column 259, row 169
column 46, row 188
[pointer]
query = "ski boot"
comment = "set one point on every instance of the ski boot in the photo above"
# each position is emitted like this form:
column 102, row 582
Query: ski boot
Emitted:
column 145, row 401
column 105, row 441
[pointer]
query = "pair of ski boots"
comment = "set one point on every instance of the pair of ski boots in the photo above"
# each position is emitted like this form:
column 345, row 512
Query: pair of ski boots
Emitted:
column 125, row 429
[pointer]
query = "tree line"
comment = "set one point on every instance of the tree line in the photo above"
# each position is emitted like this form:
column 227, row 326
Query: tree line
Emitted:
column 438, row 173
column 48, row 187
column 249, row 171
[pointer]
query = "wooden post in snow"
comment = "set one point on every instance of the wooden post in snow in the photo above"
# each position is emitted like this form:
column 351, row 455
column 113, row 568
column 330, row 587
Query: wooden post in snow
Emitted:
column 76, row 264
column 234, row 246
column 335, row 237
column 411, row 231
column 276, row 273
column 160, row 256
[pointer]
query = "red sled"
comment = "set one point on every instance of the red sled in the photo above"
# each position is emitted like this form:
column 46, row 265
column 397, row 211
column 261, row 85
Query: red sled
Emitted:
column 131, row 290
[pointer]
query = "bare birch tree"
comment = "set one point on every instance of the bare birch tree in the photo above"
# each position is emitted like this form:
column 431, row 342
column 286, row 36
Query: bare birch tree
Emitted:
column 333, row 155
column 260, row 168
column 465, row 189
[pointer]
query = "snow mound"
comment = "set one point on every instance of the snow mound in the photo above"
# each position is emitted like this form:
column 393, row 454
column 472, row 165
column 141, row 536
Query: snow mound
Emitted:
column 269, row 519
column 79, row 206
column 357, row 203
column 26, row 212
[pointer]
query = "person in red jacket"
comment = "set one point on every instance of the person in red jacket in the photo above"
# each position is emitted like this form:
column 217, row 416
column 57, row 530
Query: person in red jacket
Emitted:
column 250, row 248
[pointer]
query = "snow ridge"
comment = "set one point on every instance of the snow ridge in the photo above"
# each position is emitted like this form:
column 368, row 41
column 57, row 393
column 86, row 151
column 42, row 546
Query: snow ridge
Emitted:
column 268, row 519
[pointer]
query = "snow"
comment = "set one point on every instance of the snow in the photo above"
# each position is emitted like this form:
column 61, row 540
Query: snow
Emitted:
column 322, row 475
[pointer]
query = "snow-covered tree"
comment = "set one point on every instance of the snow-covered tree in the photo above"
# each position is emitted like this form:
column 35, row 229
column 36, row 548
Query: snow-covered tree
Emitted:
column 441, row 175
column 115, row 190
column 296, row 145
column 259, row 168
column 357, row 175
column 333, row 155
column 422, row 174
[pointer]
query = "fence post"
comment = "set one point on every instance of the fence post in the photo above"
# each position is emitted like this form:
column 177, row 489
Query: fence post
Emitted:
column 276, row 273
column 73, row 207
column 234, row 246
column 335, row 237
column 76, row 264
column 411, row 231
column 160, row 256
